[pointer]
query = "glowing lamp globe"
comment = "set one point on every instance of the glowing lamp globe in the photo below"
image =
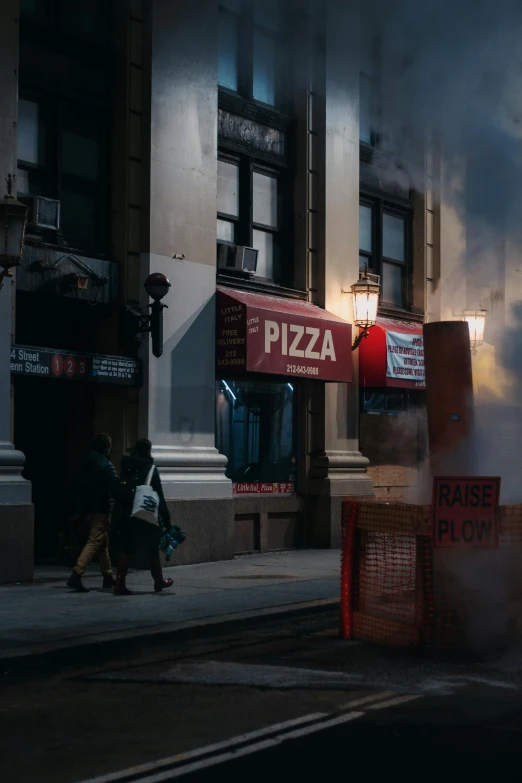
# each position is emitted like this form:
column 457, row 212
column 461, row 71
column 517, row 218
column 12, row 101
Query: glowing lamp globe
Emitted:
column 476, row 320
column 365, row 294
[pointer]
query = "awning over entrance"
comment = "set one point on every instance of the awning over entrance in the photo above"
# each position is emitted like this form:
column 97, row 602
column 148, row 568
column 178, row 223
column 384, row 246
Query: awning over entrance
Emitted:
column 392, row 355
column 276, row 336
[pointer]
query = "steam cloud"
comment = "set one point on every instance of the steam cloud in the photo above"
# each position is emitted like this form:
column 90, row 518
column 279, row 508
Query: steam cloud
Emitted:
column 453, row 69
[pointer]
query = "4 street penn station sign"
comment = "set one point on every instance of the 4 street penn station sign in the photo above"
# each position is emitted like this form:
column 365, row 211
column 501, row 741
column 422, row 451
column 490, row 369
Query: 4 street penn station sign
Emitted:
column 97, row 368
column 277, row 336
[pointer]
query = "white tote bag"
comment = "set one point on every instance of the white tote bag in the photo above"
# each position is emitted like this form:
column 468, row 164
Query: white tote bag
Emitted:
column 146, row 502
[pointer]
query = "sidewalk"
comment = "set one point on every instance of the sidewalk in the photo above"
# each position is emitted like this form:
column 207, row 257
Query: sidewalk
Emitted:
column 45, row 616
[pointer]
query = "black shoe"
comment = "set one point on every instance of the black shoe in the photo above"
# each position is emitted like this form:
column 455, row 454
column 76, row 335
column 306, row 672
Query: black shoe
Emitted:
column 75, row 583
column 108, row 581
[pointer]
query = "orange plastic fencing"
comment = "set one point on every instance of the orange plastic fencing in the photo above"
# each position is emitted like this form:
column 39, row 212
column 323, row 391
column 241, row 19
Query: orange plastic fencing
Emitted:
column 397, row 590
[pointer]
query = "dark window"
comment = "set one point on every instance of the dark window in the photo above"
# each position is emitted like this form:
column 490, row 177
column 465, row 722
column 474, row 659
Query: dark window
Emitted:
column 251, row 206
column 369, row 90
column 228, row 61
column 88, row 21
column 251, row 50
column 31, row 148
column 254, row 206
column 39, row 10
column 228, row 200
column 62, row 154
column 255, row 426
column 390, row 402
column 64, row 116
column 384, row 240
column 384, row 401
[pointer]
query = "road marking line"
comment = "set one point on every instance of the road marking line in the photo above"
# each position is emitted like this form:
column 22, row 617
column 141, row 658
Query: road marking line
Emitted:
column 392, row 702
column 155, row 772
column 255, row 748
column 365, row 700
column 238, row 740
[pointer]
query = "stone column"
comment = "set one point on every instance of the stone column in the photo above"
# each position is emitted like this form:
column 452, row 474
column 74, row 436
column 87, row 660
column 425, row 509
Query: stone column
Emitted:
column 337, row 467
column 179, row 399
column 16, row 511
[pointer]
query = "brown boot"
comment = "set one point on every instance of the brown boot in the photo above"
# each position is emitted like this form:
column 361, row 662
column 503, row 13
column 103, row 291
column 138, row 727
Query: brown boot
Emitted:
column 157, row 574
column 123, row 566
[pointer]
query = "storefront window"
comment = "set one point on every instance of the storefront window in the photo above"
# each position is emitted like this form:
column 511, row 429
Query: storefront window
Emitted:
column 391, row 401
column 255, row 431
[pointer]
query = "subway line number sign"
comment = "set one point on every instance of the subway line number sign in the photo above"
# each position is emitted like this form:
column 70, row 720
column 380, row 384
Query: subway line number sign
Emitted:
column 465, row 512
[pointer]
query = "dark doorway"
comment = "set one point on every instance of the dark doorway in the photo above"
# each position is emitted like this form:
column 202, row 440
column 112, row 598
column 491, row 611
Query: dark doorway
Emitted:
column 54, row 422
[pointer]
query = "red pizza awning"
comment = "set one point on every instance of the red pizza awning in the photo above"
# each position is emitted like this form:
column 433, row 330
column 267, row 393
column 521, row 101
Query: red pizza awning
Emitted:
column 392, row 355
column 276, row 336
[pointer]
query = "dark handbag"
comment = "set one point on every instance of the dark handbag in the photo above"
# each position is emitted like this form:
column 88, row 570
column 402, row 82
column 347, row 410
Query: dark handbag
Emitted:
column 170, row 539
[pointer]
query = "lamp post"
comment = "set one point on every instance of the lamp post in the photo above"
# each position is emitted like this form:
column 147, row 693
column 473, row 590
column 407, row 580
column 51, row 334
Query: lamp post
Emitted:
column 13, row 219
column 476, row 320
column 365, row 293
column 157, row 286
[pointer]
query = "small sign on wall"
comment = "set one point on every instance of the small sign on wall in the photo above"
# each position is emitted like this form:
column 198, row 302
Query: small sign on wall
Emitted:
column 98, row 368
column 405, row 357
column 263, row 488
column 465, row 512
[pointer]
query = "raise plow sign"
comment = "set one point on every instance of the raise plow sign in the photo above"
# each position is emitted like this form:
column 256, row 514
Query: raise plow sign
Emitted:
column 465, row 512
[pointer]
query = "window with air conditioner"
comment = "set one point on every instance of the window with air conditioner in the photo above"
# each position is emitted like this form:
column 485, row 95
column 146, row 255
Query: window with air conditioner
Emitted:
column 250, row 205
column 255, row 126
column 64, row 125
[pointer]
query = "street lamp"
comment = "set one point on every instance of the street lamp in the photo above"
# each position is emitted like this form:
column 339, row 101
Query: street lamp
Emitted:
column 476, row 320
column 13, row 219
column 157, row 286
column 365, row 293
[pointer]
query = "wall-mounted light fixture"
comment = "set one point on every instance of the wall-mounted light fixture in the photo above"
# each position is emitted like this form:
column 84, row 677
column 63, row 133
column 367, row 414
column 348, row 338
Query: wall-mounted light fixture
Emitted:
column 365, row 293
column 476, row 320
column 77, row 282
column 157, row 286
column 13, row 220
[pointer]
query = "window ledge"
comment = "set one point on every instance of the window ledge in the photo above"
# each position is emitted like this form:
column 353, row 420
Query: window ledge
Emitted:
column 388, row 311
column 35, row 241
column 260, row 286
column 266, row 115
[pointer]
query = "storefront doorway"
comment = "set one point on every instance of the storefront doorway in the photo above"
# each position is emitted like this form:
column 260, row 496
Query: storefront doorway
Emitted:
column 256, row 431
column 53, row 424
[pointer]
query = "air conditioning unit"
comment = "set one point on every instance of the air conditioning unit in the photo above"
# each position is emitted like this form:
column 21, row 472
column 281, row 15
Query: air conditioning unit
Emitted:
column 236, row 258
column 43, row 212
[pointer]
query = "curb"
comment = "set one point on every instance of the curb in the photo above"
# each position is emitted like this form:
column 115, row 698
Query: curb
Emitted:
column 96, row 648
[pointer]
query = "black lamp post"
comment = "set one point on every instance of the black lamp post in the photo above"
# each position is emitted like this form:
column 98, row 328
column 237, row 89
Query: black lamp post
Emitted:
column 157, row 286
column 13, row 219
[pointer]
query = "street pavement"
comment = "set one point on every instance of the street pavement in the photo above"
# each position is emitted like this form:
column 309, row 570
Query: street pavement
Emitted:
column 283, row 698
column 45, row 616
column 278, row 696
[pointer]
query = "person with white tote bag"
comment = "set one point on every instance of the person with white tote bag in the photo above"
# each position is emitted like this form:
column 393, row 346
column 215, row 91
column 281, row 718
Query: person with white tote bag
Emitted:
column 143, row 513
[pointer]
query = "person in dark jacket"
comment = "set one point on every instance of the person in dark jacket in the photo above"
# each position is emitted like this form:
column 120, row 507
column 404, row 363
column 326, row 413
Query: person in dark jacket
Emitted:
column 98, row 486
column 134, row 472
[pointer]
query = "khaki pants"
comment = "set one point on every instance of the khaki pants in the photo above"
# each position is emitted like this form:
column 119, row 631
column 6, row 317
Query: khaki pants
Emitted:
column 97, row 544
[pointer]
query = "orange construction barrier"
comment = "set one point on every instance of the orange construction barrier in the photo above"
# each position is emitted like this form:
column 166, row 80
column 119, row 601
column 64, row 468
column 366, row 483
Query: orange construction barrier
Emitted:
column 399, row 590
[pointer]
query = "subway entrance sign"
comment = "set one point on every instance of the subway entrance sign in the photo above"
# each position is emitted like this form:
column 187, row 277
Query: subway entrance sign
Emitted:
column 465, row 512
